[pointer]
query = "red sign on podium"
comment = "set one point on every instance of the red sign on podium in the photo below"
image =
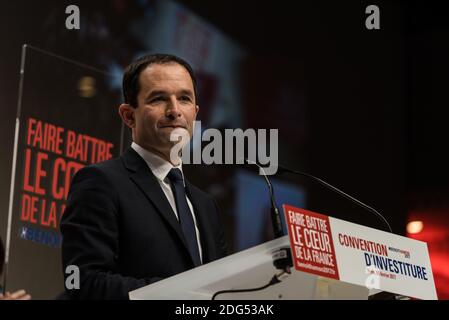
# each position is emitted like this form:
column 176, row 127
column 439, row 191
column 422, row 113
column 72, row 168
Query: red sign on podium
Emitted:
column 311, row 239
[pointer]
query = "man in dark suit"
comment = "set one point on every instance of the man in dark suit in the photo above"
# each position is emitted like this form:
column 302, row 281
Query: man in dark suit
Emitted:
column 134, row 220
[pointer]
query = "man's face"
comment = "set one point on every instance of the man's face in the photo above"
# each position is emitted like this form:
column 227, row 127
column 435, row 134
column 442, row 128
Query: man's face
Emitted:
column 166, row 101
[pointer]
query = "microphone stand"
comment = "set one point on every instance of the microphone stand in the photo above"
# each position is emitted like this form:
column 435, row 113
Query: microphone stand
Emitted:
column 275, row 217
column 282, row 258
column 282, row 169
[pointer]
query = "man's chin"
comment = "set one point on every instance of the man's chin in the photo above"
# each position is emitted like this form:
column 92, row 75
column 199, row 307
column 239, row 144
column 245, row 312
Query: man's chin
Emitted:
column 179, row 135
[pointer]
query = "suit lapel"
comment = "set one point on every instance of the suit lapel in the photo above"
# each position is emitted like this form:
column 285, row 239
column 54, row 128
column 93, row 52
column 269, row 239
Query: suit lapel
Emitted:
column 148, row 184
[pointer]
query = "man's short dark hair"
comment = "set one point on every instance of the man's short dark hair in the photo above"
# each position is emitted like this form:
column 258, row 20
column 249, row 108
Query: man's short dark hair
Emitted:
column 131, row 85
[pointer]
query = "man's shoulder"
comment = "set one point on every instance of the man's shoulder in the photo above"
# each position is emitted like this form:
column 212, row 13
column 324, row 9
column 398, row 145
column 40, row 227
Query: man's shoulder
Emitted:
column 105, row 170
column 111, row 165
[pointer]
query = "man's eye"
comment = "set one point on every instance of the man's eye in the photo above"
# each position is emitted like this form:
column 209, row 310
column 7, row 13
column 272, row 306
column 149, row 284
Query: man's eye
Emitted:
column 185, row 98
column 157, row 99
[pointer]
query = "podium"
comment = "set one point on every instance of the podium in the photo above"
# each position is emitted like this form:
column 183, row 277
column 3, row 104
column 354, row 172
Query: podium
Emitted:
column 332, row 259
column 250, row 268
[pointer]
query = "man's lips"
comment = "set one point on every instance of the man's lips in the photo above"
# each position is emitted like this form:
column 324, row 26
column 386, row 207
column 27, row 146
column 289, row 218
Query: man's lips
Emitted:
column 172, row 126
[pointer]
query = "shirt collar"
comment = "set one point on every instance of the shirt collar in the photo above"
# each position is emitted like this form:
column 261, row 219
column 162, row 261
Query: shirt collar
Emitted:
column 160, row 167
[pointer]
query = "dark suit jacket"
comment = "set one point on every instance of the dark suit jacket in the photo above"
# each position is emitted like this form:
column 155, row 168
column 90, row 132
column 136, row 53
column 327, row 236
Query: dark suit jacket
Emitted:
column 120, row 230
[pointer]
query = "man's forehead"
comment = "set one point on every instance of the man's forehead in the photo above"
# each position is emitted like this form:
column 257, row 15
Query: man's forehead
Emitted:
column 167, row 75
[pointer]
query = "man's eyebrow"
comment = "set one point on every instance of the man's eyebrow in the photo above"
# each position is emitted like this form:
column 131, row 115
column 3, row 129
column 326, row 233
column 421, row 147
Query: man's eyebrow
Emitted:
column 154, row 93
column 186, row 92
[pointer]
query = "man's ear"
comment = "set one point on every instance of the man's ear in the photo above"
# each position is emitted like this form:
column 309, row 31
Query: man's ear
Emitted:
column 127, row 114
column 197, row 108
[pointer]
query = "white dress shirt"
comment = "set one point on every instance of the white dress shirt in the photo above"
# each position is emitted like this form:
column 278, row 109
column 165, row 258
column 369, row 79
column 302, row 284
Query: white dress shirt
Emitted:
column 160, row 168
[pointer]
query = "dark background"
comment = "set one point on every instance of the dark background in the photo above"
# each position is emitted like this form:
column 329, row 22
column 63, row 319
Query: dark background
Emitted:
column 374, row 122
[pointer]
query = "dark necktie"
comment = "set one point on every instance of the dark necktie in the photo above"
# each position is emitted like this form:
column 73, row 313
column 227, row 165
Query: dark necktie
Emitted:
column 184, row 214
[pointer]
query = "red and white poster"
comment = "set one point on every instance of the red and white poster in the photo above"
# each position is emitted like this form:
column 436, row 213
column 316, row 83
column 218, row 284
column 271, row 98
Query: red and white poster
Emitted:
column 53, row 155
column 62, row 125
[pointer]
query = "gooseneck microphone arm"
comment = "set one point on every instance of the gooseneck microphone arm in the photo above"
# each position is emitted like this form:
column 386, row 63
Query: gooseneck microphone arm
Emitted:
column 282, row 169
column 275, row 217
column 281, row 257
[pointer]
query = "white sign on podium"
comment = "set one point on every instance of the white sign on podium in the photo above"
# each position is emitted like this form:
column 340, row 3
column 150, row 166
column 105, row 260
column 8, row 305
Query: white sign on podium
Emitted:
column 359, row 255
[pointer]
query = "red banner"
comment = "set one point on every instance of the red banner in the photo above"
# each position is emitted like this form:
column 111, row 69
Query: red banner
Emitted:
column 311, row 241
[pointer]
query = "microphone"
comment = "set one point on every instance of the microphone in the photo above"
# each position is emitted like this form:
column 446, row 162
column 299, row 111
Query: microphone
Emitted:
column 282, row 257
column 275, row 217
column 282, row 169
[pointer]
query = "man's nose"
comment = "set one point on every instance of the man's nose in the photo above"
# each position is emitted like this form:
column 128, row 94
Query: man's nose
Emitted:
column 173, row 110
